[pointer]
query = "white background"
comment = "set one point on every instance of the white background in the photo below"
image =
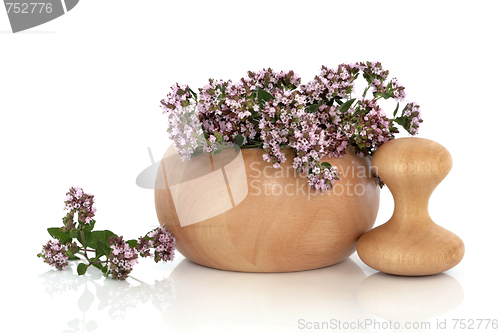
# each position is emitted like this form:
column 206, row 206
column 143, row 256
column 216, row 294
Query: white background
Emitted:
column 79, row 105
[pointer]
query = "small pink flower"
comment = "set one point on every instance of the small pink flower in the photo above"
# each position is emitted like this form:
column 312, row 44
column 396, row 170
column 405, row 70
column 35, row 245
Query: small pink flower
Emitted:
column 55, row 254
column 121, row 259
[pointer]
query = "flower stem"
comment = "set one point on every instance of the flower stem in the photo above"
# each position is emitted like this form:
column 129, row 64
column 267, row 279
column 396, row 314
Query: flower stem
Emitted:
column 85, row 248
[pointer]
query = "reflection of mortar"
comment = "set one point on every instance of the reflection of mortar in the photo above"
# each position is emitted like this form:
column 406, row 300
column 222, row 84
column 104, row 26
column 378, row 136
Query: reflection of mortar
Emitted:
column 241, row 302
column 205, row 186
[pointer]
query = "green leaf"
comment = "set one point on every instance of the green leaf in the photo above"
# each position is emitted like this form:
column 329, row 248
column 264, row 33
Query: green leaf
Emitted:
column 387, row 95
column 239, row 140
column 98, row 235
column 78, row 235
column 253, row 114
column 389, row 86
column 88, row 235
column 312, row 108
column 395, row 111
column 102, row 248
column 263, row 95
column 344, row 107
column 326, row 165
column 98, row 265
column 253, row 121
column 401, row 121
column 193, row 93
column 82, row 268
column 62, row 236
column 132, row 242
column 368, row 78
column 110, row 233
column 90, row 226
column 101, row 235
column 366, row 90
column 338, row 100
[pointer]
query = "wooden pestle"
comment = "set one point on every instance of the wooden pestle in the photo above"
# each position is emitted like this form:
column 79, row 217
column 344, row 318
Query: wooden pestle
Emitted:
column 410, row 243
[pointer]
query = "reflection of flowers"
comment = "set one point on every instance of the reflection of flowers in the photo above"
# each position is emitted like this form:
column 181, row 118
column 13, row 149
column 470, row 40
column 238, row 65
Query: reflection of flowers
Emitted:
column 57, row 283
column 121, row 298
column 118, row 297
column 163, row 294
column 75, row 324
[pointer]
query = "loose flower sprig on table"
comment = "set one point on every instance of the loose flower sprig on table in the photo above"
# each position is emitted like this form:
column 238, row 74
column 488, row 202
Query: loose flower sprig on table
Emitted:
column 100, row 248
column 273, row 110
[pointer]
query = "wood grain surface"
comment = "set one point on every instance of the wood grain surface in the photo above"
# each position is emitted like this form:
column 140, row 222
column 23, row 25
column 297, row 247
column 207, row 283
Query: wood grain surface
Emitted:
column 410, row 243
column 263, row 219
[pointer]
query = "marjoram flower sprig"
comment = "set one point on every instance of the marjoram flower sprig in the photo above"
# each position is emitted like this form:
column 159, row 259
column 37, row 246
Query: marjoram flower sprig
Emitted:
column 274, row 110
column 103, row 249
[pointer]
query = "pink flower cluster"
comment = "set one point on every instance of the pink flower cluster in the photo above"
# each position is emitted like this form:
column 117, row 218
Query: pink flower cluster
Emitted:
column 121, row 259
column 269, row 79
column 163, row 243
column 228, row 109
column 81, row 202
column 273, row 110
column 331, row 83
column 279, row 122
column 121, row 255
column 224, row 110
column 312, row 142
column 183, row 127
column 376, row 75
column 55, row 254
column 411, row 119
column 368, row 127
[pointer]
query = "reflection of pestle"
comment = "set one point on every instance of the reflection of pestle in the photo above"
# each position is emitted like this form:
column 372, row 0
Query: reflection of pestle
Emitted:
column 269, row 302
column 410, row 299
column 410, row 243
